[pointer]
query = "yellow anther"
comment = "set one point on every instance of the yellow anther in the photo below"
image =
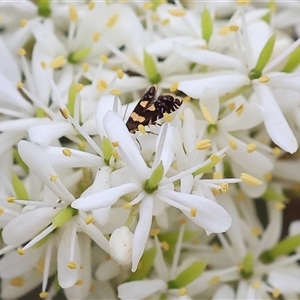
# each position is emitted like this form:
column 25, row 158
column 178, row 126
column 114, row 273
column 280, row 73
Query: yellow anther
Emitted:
column 250, row 179
column 174, row 87
column 20, row 84
column 112, row 20
column 182, row 291
column 135, row 60
column 240, row 196
column 79, row 87
column 256, row 231
column 142, row 129
column 256, row 284
column 115, row 154
column 224, row 30
column 217, row 175
column 154, row 231
column 67, row 152
column 127, row 205
column 58, row 62
column 214, row 280
column 233, row 28
column 251, row 147
column 85, row 67
column 216, row 247
column 23, row 23
column 65, row 113
column 1, row 211
column 193, row 212
column 72, row 265
column 243, row 2
column 276, row 151
column 40, row 266
column 102, row 85
column 215, row 158
column 115, row 92
column 82, row 145
column 177, row 12
column 224, row 187
column 22, row 52
column 43, row 64
column 165, row 22
column 91, row 5
column 232, row 144
column 231, row 106
column 264, row 79
column 239, row 110
column 115, row 144
column 73, row 13
column 203, row 144
column 147, row 5
column 182, row 221
column 186, row 99
column 53, row 178
column 89, row 220
column 167, row 117
column 43, row 295
column 206, row 114
column 79, row 282
column 165, row 246
column 215, row 191
column 276, row 293
column 17, row 281
column 268, row 176
column 120, row 73
column 104, row 58
column 11, row 199
column 155, row 18
column 21, row 251
column 96, row 36
column 280, row 206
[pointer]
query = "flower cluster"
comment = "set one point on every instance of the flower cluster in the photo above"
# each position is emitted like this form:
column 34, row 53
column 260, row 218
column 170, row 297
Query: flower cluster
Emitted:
column 91, row 209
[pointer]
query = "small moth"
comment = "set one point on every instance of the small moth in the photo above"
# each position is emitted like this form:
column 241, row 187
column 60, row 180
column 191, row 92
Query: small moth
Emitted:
column 151, row 108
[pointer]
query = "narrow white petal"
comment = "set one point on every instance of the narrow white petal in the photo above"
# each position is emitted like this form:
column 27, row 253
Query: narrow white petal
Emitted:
column 275, row 122
column 118, row 132
column 21, row 124
column 222, row 84
column 142, row 230
column 141, row 289
column 210, row 215
column 27, row 225
column 107, row 270
column 66, row 276
column 104, row 198
column 37, row 161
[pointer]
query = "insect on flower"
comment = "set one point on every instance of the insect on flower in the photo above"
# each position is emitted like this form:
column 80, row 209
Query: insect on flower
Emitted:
column 151, row 108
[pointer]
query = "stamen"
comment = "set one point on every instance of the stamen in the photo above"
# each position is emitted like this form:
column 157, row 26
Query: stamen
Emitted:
column 1, row 211
column 177, row 12
column 79, row 282
column 89, row 220
column 174, row 87
column 264, row 79
column 276, row 151
column 233, row 28
column 224, row 30
column 79, row 87
column 206, row 114
column 22, row 52
column 17, row 281
column 217, row 175
column 243, row 2
column 186, row 99
column 67, row 152
column 165, row 22
column 73, row 15
column 115, row 144
column 20, row 251
column 203, row 144
column 104, row 58
column 239, row 110
column 214, row 280
column 43, row 64
column 268, row 176
column 280, row 206
column 256, row 284
column 127, row 205
column 120, row 73
column 154, row 231
column 167, row 117
column 43, row 295
column 215, row 158
column 193, row 212
column 112, row 20
column 23, row 23
column 142, row 129
column 224, row 187
column 102, row 85
column 85, row 67
column 91, row 5
column 53, row 178
column 165, row 246
column 182, row 291
column 72, row 265
column 251, row 147
column 147, row 5
column 96, row 36
column 11, row 199
column 276, row 293
column 58, row 62
column 20, row 84
column 256, row 231
column 232, row 144
column 250, row 179
column 115, row 92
